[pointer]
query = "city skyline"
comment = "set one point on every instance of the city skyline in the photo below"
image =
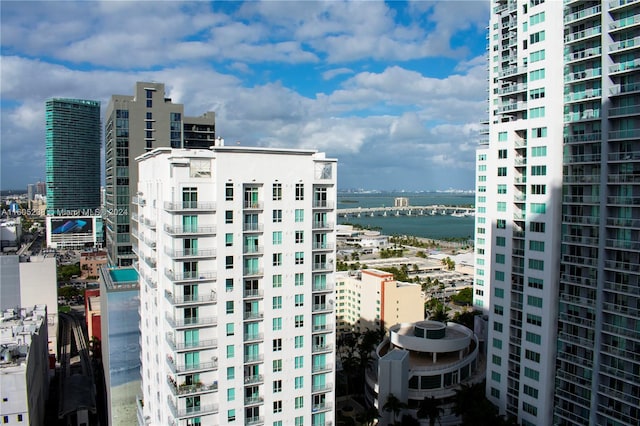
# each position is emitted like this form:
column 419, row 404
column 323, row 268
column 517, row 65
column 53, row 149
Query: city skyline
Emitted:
column 398, row 88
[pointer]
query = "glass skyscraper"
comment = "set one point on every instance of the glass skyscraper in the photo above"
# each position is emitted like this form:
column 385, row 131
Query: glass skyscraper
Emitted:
column 73, row 156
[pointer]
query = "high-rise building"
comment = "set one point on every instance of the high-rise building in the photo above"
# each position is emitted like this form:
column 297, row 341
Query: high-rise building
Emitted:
column 557, row 224
column 72, row 156
column 134, row 125
column 236, row 250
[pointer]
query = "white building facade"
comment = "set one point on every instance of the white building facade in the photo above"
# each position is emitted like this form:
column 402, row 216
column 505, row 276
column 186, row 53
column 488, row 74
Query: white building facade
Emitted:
column 557, row 261
column 236, row 253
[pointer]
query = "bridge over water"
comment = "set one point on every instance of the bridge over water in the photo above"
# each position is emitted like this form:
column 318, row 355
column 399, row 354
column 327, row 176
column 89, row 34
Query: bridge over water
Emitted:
column 407, row 211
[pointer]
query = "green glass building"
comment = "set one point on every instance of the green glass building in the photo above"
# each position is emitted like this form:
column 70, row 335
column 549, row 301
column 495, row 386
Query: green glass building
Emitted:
column 73, row 156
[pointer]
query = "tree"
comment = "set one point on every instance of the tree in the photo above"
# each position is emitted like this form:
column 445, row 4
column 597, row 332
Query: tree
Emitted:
column 394, row 405
column 369, row 416
column 429, row 409
column 440, row 314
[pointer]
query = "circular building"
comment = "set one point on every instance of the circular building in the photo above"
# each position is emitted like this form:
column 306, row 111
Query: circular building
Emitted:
column 423, row 360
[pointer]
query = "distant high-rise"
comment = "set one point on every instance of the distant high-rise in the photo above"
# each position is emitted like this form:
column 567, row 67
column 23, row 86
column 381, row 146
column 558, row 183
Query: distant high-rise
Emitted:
column 134, row 125
column 72, row 156
column 558, row 219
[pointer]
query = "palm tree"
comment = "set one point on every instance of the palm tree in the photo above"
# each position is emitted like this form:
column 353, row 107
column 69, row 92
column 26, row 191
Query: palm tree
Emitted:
column 394, row 405
column 430, row 409
column 369, row 416
column 440, row 314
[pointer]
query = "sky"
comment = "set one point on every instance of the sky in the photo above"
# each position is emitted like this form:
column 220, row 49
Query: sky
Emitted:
column 395, row 91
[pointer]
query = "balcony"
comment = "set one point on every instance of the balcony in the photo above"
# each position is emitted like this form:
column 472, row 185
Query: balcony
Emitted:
column 198, row 411
column 327, row 387
column 624, row 89
column 322, row 246
column 189, row 230
column 253, row 272
column 189, row 206
column 322, row 328
column 580, row 240
column 624, row 200
column 195, row 322
column 623, row 244
column 252, row 250
column 512, row 88
column 512, row 72
column 510, row 107
column 149, row 223
column 190, row 276
column 321, row 348
column 188, row 390
column 252, row 227
column 624, row 134
column 323, row 204
column 624, row 110
column 253, row 316
column 254, row 421
column 190, row 346
column 322, row 368
column 322, row 307
column 582, row 158
column 583, row 34
column 320, row 267
column 320, row 287
column 581, row 199
column 322, row 225
column 624, row 222
column 625, row 44
column 178, row 301
column 583, row 137
column 253, row 294
column 255, row 379
column 580, row 219
column 577, row 76
column 191, row 368
column 582, row 14
column 253, row 358
column 583, row 95
column 624, row 23
column 583, row 54
column 324, row 406
column 581, row 179
column 138, row 201
column 253, row 205
column 190, row 253
column 253, row 337
column 625, row 66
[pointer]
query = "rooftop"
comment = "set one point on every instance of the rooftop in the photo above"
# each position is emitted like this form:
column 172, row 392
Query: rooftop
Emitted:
column 16, row 328
column 120, row 279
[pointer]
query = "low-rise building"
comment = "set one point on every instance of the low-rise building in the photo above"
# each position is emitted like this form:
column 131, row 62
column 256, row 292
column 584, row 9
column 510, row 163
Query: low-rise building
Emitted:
column 24, row 365
column 91, row 262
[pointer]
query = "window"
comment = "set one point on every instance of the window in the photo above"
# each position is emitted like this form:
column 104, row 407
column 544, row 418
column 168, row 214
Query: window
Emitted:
column 277, row 259
column 482, row 168
column 539, row 132
column 229, row 306
column 497, row 326
column 538, row 189
column 299, row 191
column 299, row 341
column 298, row 362
column 536, row 245
column 498, row 310
column 501, row 241
column 533, row 337
column 230, row 329
column 502, row 136
column 502, row 171
column 277, row 216
column 299, row 256
column 299, row 215
column 528, row 408
column 495, row 393
column 228, row 240
column 538, row 208
column 502, row 206
column 502, row 153
column 277, row 302
column 536, row 75
column 299, row 421
column 497, row 343
column 149, row 103
column 229, row 262
column 536, row 264
column 534, row 301
column 229, row 285
column 276, row 324
column 501, row 223
column 499, row 275
column 535, row 283
column 231, row 394
column 532, row 356
column 498, row 292
column 231, row 415
column 299, row 237
column 536, row 226
column 536, row 112
column 531, row 373
column 502, row 189
column 299, row 299
column 231, row 373
column 496, row 360
column 277, row 192
column 277, row 406
column 228, row 216
column 537, row 93
column 277, row 281
column 539, row 151
column 532, row 392
column 534, row 320
column 482, row 157
column 277, row 365
column 299, row 321
column 230, row 351
column 536, row 37
column 299, row 402
column 536, row 18
column 228, row 192
column 538, row 170
column 277, row 237
column 536, row 56
column 277, row 345
column 495, row 376
column 299, row 279
column 277, row 386
column 299, row 382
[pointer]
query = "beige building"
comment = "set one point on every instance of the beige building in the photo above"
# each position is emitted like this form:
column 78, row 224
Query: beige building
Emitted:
column 372, row 299
column 91, row 262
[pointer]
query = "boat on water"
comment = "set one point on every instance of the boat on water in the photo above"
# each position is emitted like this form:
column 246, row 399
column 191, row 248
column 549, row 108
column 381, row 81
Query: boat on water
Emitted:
column 457, row 214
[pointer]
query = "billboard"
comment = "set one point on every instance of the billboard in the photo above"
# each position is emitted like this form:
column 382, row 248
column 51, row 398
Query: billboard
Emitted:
column 76, row 225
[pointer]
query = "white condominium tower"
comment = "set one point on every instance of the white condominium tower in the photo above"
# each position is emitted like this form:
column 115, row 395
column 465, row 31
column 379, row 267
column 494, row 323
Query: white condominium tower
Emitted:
column 236, row 253
column 558, row 224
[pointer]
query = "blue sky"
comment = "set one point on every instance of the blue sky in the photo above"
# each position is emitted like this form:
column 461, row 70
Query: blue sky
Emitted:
column 394, row 90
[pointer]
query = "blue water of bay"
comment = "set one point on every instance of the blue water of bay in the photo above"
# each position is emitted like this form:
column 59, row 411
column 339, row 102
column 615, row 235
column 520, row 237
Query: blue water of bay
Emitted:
column 426, row 226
